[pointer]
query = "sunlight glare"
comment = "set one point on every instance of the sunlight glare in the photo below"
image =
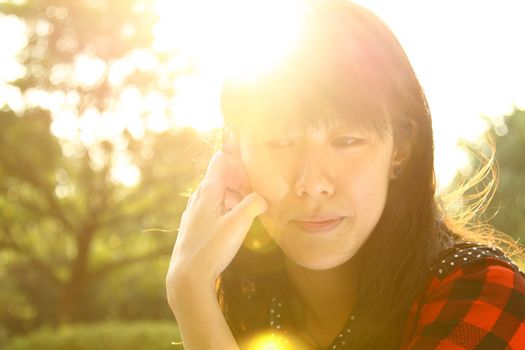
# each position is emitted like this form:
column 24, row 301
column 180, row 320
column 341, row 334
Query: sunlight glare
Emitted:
column 88, row 71
column 276, row 340
column 240, row 38
column 197, row 102
column 125, row 172
column 12, row 44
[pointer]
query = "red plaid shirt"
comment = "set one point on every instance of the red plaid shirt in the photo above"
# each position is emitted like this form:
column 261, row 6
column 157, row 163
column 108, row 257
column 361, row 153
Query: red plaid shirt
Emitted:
column 475, row 300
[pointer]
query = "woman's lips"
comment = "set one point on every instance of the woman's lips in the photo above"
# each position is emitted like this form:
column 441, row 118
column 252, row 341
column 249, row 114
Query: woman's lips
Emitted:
column 318, row 226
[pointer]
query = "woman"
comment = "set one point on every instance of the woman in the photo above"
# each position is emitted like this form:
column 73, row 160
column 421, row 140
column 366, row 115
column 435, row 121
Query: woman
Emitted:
column 330, row 158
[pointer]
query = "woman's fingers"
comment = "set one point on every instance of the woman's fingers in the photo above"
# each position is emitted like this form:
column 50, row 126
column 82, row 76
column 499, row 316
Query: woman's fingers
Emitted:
column 242, row 215
column 229, row 170
column 216, row 219
column 231, row 199
column 224, row 184
column 238, row 179
column 191, row 199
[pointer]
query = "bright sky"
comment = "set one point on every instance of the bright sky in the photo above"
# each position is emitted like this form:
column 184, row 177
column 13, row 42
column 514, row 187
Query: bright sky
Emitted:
column 467, row 54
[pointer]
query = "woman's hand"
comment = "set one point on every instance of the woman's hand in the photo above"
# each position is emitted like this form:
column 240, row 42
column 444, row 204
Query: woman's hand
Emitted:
column 215, row 222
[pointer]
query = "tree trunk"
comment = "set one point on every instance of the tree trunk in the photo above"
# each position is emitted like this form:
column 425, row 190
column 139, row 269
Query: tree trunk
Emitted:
column 78, row 280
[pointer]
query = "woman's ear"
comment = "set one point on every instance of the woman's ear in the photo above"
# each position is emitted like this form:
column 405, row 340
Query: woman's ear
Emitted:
column 230, row 142
column 404, row 142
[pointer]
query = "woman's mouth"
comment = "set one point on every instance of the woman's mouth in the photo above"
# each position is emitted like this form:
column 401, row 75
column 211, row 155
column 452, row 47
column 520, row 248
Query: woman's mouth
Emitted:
column 318, row 225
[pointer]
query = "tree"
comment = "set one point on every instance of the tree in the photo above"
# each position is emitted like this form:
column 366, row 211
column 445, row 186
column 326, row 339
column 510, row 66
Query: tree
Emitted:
column 67, row 223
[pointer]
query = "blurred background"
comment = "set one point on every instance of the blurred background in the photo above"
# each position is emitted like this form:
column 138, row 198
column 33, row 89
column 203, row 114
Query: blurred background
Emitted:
column 109, row 113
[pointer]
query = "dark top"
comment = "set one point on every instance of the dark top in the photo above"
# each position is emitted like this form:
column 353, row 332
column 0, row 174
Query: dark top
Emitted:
column 475, row 300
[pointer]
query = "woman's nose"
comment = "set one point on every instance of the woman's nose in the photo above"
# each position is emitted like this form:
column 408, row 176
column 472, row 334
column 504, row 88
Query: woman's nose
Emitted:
column 313, row 177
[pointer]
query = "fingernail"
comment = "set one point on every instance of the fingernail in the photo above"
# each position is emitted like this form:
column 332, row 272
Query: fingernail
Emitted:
column 264, row 204
column 258, row 205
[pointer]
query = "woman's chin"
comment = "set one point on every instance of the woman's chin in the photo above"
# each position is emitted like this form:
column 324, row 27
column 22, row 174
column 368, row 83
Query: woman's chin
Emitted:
column 316, row 260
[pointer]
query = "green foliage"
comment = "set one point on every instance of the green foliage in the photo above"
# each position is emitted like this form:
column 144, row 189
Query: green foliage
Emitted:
column 132, row 293
column 75, row 243
column 60, row 255
column 105, row 335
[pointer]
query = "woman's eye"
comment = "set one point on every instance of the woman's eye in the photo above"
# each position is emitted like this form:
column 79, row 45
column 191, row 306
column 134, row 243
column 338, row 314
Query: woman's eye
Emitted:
column 279, row 143
column 346, row 141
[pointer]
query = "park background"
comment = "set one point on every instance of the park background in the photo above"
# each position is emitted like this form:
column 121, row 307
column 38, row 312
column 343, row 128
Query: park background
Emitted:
column 109, row 114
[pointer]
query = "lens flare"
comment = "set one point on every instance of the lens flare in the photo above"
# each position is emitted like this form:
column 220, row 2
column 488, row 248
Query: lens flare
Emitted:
column 239, row 38
column 274, row 341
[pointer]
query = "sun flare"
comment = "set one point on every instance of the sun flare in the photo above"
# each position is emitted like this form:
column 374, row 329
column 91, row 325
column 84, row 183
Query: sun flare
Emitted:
column 240, row 38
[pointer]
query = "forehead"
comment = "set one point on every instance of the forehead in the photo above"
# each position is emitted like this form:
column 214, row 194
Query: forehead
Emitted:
column 282, row 110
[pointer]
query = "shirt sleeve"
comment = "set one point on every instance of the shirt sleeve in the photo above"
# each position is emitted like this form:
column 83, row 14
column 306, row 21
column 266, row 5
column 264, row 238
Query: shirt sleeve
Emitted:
column 476, row 305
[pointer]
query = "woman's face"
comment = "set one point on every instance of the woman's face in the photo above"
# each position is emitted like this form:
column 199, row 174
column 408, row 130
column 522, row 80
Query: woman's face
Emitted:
column 326, row 188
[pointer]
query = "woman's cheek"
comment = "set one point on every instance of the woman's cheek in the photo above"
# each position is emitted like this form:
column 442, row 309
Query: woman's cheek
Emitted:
column 370, row 189
column 266, row 176
column 269, row 183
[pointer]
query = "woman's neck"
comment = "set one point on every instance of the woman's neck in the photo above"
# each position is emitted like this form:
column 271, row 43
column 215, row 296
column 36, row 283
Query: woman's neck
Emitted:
column 322, row 300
